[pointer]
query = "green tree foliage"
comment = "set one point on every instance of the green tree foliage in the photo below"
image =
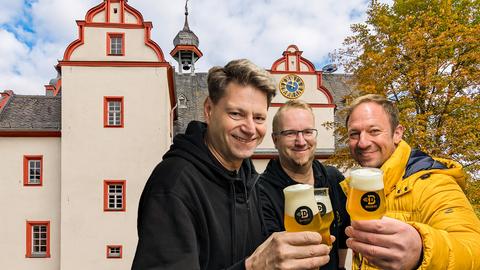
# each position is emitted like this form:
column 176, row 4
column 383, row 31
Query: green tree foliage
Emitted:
column 425, row 56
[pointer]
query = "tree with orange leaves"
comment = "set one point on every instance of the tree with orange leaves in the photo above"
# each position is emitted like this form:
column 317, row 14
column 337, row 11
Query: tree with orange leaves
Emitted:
column 425, row 56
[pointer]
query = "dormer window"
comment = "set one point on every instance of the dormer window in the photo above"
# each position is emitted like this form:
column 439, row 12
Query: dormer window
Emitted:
column 182, row 101
column 115, row 43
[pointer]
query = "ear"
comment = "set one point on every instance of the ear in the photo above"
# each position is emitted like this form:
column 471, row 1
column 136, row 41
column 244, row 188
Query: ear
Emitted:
column 275, row 140
column 398, row 134
column 207, row 109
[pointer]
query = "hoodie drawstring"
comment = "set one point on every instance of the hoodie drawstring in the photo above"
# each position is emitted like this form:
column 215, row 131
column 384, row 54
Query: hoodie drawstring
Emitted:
column 234, row 214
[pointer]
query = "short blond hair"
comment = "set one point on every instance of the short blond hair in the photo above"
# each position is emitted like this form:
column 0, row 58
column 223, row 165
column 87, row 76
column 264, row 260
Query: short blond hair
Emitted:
column 242, row 72
column 388, row 106
column 291, row 104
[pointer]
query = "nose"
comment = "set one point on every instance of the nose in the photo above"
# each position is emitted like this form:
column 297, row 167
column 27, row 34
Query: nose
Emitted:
column 363, row 141
column 249, row 127
column 300, row 139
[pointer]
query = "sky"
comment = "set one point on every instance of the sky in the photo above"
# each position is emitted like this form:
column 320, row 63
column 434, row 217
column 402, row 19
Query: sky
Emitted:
column 35, row 33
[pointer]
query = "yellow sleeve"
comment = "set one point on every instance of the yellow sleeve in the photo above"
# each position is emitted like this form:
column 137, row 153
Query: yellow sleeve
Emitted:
column 449, row 228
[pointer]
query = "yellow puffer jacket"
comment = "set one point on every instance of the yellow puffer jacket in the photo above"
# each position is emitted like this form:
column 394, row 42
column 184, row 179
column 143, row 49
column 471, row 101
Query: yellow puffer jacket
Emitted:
column 432, row 201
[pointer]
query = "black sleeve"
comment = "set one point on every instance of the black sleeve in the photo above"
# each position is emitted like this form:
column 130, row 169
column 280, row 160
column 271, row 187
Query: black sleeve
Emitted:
column 272, row 216
column 167, row 235
column 335, row 176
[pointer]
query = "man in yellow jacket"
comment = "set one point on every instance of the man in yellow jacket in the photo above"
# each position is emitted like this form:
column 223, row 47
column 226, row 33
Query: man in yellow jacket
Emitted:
column 429, row 222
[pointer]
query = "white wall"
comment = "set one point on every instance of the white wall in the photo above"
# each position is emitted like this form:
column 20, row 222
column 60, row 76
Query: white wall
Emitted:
column 19, row 203
column 92, row 154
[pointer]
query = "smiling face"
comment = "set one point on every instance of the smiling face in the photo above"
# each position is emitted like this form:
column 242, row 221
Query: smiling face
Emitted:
column 236, row 124
column 297, row 152
column 370, row 136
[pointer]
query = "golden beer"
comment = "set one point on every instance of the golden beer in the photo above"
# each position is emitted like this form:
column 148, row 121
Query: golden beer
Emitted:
column 291, row 225
column 326, row 213
column 301, row 211
column 366, row 198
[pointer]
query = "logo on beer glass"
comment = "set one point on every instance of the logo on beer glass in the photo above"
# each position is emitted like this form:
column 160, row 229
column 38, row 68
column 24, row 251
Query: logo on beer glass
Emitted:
column 322, row 208
column 370, row 201
column 303, row 215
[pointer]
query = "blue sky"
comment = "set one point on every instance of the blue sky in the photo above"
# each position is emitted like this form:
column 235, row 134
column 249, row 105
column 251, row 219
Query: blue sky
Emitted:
column 35, row 33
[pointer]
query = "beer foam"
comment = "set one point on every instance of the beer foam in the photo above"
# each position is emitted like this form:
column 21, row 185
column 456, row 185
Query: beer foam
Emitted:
column 299, row 195
column 366, row 179
column 297, row 187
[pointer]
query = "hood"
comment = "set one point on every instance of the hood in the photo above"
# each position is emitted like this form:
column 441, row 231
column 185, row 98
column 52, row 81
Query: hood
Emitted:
column 420, row 161
column 406, row 162
column 191, row 146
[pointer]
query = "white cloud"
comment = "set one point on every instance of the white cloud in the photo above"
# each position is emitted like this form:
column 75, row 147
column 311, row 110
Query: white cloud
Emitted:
column 26, row 70
column 54, row 20
column 11, row 51
column 9, row 9
column 256, row 29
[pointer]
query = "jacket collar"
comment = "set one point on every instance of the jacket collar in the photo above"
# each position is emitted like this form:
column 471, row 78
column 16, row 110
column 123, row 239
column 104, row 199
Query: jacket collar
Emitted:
column 394, row 168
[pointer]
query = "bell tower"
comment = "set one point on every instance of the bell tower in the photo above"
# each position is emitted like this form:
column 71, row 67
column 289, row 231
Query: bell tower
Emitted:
column 186, row 51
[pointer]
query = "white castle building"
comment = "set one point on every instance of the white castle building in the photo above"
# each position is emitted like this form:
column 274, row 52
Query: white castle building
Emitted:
column 74, row 161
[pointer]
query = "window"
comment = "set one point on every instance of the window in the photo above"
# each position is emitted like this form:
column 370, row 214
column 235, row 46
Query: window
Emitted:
column 114, row 195
column 32, row 170
column 38, row 239
column 115, row 43
column 114, row 251
column 113, row 112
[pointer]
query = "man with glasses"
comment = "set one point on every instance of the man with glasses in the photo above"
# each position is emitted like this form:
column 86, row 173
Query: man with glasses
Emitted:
column 295, row 138
column 200, row 207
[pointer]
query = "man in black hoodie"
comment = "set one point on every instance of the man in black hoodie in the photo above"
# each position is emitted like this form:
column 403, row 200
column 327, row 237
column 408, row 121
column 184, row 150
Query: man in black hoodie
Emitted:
column 295, row 138
column 199, row 208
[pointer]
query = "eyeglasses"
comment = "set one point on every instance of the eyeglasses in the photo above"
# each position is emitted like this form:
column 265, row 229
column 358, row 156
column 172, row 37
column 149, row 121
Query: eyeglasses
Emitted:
column 308, row 133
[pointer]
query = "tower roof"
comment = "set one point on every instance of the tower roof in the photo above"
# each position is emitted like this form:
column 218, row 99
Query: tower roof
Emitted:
column 186, row 36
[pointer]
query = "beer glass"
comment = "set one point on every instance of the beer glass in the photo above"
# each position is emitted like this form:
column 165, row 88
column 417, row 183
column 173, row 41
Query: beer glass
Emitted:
column 326, row 213
column 301, row 211
column 366, row 198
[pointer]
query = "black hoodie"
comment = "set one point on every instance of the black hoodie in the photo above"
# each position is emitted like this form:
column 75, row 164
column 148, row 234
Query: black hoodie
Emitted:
column 194, row 213
column 275, row 179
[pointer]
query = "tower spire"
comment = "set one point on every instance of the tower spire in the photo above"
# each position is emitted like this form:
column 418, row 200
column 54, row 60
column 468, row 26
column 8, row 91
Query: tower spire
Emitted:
column 185, row 26
column 186, row 51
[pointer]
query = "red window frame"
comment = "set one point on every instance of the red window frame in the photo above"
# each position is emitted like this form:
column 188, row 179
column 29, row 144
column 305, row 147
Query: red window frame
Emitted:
column 106, row 184
column 29, row 251
column 26, row 171
column 109, row 247
column 109, row 47
column 106, row 100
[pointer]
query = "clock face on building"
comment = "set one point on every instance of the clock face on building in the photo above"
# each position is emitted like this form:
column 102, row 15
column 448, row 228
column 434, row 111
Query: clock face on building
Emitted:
column 291, row 86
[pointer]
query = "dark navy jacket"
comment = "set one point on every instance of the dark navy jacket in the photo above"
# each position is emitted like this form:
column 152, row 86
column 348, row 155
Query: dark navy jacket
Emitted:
column 274, row 180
